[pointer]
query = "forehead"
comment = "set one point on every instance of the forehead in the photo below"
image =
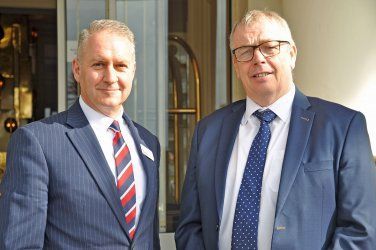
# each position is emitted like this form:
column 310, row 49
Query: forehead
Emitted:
column 256, row 33
column 106, row 43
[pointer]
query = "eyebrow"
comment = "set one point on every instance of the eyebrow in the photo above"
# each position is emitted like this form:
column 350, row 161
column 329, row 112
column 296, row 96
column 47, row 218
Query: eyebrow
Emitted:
column 101, row 59
column 263, row 41
column 96, row 58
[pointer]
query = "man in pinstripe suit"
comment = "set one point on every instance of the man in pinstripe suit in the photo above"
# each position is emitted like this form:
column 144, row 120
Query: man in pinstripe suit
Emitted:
column 61, row 186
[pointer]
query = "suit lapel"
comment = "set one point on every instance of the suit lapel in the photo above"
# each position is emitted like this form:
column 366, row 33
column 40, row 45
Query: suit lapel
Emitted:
column 84, row 140
column 229, row 131
column 300, row 127
column 151, row 173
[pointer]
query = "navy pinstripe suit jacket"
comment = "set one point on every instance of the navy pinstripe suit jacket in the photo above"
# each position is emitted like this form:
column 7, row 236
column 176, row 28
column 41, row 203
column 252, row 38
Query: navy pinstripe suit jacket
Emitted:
column 58, row 191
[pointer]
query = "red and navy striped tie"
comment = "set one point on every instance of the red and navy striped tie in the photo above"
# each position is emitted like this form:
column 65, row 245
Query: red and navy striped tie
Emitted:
column 125, row 178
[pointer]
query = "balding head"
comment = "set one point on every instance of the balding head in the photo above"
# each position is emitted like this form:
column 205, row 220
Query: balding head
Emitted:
column 111, row 26
column 258, row 16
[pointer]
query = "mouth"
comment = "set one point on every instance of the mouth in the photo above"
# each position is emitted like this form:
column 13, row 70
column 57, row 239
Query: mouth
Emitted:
column 109, row 90
column 263, row 74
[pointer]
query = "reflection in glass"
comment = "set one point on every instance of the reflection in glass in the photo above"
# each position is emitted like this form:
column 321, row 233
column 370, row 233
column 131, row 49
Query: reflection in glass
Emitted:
column 184, row 111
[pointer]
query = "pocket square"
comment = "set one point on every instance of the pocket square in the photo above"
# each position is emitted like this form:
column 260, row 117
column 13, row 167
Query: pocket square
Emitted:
column 147, row 152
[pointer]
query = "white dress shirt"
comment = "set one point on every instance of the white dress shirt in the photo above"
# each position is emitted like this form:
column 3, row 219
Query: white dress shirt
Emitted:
column 100, row 124
column 248, row 129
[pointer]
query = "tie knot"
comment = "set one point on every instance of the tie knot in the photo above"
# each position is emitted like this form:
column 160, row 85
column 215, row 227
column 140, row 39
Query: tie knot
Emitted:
column 115, row 126
column 265, row 116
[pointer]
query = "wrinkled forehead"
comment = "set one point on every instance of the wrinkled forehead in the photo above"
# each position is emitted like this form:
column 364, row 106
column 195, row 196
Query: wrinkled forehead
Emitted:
column 261, row 31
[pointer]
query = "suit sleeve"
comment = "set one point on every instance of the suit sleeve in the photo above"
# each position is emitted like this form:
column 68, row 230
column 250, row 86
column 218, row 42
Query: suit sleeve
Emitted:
column 189, row 231
column 24, row 194
column 356, row 198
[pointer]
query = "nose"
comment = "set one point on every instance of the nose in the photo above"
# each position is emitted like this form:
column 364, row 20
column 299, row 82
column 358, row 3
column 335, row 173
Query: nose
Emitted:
column 110, row 75
column 258, row 57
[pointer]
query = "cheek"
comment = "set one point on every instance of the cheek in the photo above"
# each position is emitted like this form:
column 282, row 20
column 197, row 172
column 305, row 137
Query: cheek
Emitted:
column 128, row 79
column 243, row 71
column 126, row 83
column 278, row 67
column 91, row 77
column 96, row 75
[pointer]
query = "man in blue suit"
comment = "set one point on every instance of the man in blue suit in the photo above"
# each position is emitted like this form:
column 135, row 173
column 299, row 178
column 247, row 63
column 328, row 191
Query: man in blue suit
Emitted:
column 278, row 170
column 86, row 178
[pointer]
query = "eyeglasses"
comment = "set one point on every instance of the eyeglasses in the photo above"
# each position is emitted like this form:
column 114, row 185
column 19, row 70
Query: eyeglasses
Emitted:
column 267, row 49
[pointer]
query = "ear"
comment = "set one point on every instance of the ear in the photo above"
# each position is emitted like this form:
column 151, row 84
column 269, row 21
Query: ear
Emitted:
column 76, row 69
column 235, row 63
column 293, row 54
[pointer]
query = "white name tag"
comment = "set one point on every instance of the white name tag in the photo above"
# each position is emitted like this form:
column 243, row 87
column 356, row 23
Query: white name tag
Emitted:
column 147, row 152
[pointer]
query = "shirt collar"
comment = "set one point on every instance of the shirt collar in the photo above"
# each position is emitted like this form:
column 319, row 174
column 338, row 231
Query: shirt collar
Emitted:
column 96, row 119
column 282, row 107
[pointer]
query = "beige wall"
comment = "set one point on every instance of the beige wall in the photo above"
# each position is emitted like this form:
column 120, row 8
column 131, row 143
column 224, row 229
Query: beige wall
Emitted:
column 336, row 43
column 336, row 51
column 274, row 5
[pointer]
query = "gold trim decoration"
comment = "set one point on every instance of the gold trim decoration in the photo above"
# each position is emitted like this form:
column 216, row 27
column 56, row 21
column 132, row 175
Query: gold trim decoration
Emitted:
column 177, row 111
column 3, row 157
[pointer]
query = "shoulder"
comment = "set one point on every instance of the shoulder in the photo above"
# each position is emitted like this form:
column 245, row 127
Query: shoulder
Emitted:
column 332, row 111
column 51, row 122
column 44, row 127
column 324, row 105
column 222, row 113
column 336, row 119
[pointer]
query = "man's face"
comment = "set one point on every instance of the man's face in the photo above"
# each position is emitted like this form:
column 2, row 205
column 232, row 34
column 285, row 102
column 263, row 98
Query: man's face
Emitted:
column 105, row 71
column 263, row 88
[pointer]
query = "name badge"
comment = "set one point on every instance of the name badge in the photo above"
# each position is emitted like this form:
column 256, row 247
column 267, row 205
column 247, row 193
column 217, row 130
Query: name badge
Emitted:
column 147, row 152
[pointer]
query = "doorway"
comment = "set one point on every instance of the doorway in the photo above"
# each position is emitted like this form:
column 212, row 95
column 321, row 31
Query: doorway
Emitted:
column 28, row 67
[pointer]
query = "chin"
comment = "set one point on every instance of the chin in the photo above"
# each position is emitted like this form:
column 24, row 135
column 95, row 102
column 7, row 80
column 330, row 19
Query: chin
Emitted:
column 110, row 103
column 263, row 90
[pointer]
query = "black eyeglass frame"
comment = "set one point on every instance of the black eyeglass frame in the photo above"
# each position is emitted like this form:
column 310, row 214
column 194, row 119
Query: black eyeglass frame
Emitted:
column 254, row 47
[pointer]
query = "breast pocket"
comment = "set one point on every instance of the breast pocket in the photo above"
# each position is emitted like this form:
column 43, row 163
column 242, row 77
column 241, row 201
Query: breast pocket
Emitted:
column 318, row 175
column 315, row 166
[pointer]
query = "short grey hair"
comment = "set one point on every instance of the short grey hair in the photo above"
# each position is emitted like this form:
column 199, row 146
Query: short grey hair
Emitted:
column 112, row 26
column 256, row 16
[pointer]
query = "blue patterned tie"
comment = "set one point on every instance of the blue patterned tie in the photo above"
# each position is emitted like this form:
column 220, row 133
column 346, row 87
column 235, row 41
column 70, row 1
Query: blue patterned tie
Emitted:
column 245, row 227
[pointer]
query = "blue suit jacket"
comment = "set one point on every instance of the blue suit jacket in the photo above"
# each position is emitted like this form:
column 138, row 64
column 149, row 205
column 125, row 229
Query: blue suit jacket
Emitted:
column 327, row 193
column 58, row 191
